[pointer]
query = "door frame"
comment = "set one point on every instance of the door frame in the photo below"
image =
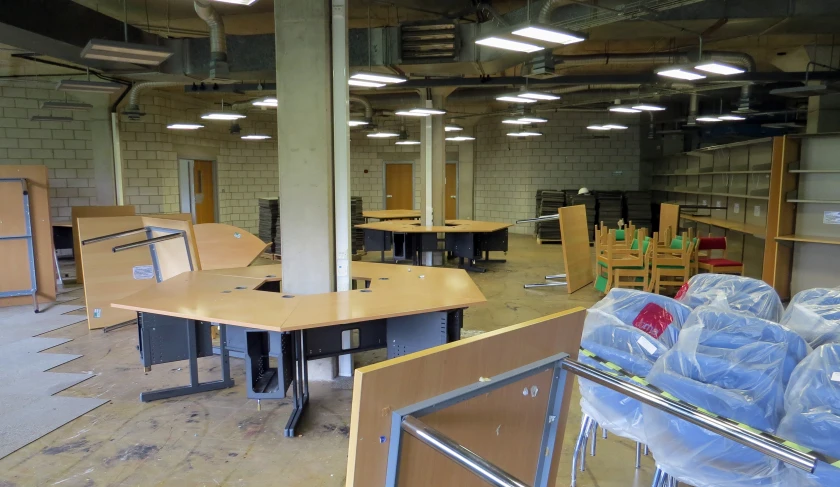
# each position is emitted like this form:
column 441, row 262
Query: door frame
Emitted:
column 457, row 186
column 186, row 183
column 385, row 181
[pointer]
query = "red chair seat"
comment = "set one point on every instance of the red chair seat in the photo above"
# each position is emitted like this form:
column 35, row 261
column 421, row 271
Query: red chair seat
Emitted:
column 719, row 262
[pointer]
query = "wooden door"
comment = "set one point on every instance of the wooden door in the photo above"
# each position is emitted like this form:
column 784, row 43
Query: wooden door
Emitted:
column 451, row 191
column 399, row 186
column 204, row 193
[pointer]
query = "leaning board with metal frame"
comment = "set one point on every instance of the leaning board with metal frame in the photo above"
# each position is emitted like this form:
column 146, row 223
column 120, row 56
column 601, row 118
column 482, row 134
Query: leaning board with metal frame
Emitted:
column 505, row 426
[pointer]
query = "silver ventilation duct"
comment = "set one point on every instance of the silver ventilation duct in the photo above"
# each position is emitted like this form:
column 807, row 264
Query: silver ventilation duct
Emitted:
column 219, row 69
column 133, row 107
column 365, row 103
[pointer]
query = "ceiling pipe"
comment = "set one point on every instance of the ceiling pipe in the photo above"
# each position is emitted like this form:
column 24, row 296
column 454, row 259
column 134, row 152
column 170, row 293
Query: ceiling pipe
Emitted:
column 133, row 107
column 492, row 12
column 219, row 68
column 548, row 7
column 693, row 107
column 365, row 103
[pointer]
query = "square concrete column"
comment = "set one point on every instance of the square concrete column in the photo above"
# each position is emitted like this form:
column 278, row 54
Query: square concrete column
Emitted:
column 305, row 151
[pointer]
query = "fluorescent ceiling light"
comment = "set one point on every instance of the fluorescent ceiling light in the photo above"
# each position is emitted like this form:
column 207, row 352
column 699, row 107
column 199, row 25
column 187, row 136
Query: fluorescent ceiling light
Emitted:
column 551, row 35
column 378, row 78
column 238, row 2
column 222, row 116
column 451, row 127
column 49, row 118
column 89, row 86
column 732, row 118
column 419, row 112
column 719, row 68
column 407, row 142
column 708, row 119
column 410, row 113
column 597, row 127
column 515, row 99
column 525, row 133
column 535, row 95
column 514, row 121
column 265, row 102
column 509, row 45
column 65, row 105
column 532, row 120
column 255, row 137
column 382, row 134
column 648, row 108
column 366, row 84
column 680, row 73
column 357, row 123
column 125, row 52
column 624, row 109
column 185, row 126
column 614, row 126
column 460, row 138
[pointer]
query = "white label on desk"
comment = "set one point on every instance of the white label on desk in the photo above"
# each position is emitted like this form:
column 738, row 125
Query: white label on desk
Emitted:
column 757, row 210
column 342, row 268
column 143, row 272
column 831, row 217
column 645, row 343
column 835, row 377
column 737, row 208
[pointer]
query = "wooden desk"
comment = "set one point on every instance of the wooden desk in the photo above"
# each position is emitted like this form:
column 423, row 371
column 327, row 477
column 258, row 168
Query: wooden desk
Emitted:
column 465, row 239
column 729, row 225
column 391, row 214
column 405, row 309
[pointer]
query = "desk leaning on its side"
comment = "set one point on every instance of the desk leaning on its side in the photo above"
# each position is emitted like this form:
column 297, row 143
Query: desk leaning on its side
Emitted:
column 402, row 308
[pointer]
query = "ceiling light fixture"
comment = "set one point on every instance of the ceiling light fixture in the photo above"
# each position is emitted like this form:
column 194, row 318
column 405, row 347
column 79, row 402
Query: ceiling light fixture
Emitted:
column 125, row 52
column 679, row 73
column 419, row 112
column 508, row 45
column 407, row 142
column 732, row 118
column 624, row 109
column 533, row 120
column 222, row 116
column 451, row 127
column 238, row 2
column 265, row 102
column 357, row 123
column 719, row 68
column 49, row 118
column 460, row 138
column 648, row 108
column 536, row 95
column 597, row 127
column 549, row 34
column 378, row 77
column 382, row 134
column 515, row 99
column 255, row 137
column 65, row 105
column 365, row 84
column 525, row 133
column 185, row 126
column 89, row 86
column 614, row 126
column 707, row 118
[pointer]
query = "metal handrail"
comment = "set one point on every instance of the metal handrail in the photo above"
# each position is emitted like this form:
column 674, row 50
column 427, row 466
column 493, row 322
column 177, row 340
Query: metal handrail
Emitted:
column 151, row 241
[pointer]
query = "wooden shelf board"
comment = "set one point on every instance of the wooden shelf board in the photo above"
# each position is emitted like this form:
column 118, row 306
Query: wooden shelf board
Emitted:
column 815, row 171
column 713, row 173
column 745, row 196
column 730, row 225
column 824, row 202
column 810, row 239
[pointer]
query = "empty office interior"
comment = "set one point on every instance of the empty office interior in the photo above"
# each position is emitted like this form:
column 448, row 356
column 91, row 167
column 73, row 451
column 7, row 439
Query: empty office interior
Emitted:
column 285, row 242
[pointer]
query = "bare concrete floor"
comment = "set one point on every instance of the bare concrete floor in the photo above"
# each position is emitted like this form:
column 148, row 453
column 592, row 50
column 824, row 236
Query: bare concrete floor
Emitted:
column 219, row 438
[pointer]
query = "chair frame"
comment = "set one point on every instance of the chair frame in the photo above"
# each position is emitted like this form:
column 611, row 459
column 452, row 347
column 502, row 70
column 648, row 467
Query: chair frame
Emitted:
column 736, row 270
column 679, row 258
column 615, row 256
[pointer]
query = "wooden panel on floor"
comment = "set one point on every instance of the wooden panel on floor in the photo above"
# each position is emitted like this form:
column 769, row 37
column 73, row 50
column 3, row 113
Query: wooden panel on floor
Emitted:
column 14, row 255
column 113, row 275
column 577, row 256
column 669, row 216
column 77, row 212
column 504, row 426
column 225, row 246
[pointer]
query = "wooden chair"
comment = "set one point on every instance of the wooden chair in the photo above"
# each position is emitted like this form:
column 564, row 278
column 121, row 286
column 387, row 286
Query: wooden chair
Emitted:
column 615, row 255
column 670, row 265
column 635, row 276
column 718, row 265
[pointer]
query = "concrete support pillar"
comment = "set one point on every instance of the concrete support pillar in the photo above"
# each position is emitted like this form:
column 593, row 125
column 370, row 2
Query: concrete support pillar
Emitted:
column 439, row 157
column 102, row 145
column 466, row 174
column 305, row 151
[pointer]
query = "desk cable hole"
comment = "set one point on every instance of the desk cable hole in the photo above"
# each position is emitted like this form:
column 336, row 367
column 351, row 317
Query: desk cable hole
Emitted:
column 288, row 296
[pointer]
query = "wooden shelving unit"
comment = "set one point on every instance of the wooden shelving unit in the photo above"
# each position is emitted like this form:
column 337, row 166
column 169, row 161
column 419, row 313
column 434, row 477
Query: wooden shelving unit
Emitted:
column 726, row 195
column 819, row 202
column 815, row 171
column 810, row 239
column 727, row 224
column 714, row 173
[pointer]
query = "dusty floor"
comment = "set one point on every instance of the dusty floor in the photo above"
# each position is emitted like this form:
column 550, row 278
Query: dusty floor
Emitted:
column 219, row 438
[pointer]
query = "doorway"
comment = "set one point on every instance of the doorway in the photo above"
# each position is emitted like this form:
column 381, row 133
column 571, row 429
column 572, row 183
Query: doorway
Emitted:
column 197, row 189
column 399, row 186
column 451, row 188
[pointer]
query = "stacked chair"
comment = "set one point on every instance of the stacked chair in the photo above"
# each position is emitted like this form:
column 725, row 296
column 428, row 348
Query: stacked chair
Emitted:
column 670, row 264
column 621, row 258
column 706, row 260
column 734, row 365
column 812, row 414
column 815, row 315
column 737, row 293
column 631, row 329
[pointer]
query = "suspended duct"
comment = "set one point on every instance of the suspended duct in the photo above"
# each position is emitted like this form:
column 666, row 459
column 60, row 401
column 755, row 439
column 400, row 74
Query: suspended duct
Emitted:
column 219, row 69
column 365, row 103
column 693, row 107
column 549, row 6
column 133, row 107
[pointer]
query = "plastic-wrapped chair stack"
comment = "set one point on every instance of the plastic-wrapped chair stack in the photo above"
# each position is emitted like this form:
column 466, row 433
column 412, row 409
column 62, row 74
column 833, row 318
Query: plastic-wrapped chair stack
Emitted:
column 815, row 315
column 733, row 365
column 812, row 413
column 737, row 293
column 630, row 329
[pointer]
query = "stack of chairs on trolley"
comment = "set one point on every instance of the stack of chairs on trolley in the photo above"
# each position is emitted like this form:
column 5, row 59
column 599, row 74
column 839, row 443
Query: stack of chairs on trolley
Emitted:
column 726, row 345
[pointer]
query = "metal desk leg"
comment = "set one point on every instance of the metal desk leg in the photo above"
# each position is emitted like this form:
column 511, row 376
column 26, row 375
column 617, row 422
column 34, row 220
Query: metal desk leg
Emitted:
column 300, row 387
column 468, row 266
column 488, row 259
column 196, row 386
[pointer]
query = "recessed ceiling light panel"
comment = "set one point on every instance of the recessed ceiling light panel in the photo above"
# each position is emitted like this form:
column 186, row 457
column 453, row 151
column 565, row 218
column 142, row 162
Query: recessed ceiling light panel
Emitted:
column 184, row 126
column 255, row 137
column 509, row 45
column 719, row 68
column 549, row 35
column 680, row 73
column 125, row 52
